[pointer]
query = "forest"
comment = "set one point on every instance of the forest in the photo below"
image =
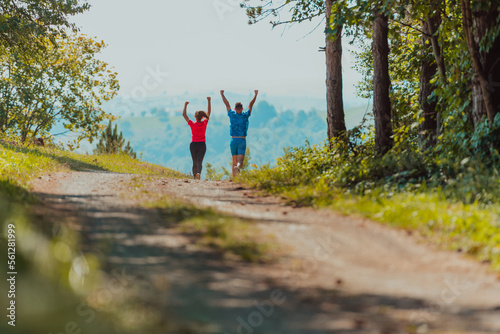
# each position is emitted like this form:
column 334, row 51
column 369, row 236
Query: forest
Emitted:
column 432, row 69
column 429, row 160
column 433, row 63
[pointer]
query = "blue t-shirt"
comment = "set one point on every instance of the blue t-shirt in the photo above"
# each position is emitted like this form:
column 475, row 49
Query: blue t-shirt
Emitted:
column 239, row 123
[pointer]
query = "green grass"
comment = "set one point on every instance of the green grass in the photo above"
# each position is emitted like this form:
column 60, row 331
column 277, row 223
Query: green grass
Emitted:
column 470, row 228
column 19, row 165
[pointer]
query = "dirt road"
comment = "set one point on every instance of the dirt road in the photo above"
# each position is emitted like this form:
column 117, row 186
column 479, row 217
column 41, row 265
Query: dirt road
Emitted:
column 340, row 274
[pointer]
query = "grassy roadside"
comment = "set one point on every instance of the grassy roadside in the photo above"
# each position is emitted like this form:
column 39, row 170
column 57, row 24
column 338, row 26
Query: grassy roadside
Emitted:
column 472, row 228
column 19, row 165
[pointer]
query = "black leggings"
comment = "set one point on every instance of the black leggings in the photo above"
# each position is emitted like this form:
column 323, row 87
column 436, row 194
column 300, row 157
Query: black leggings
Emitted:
column 198, row 151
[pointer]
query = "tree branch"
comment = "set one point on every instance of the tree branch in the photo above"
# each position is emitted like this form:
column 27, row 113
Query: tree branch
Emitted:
column 412, row 27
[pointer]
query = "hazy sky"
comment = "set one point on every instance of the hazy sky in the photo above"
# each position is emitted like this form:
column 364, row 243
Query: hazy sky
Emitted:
column 205, row 46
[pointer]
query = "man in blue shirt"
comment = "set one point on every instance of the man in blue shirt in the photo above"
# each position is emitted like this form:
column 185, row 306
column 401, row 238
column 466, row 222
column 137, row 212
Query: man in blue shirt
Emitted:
column 238, row 130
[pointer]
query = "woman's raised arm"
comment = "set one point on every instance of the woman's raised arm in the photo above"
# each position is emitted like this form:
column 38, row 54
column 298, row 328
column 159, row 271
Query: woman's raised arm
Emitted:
column 184, row 112
column 209, row 108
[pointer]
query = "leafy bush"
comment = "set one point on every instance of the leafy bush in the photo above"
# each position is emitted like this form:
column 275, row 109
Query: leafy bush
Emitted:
column 215, row 174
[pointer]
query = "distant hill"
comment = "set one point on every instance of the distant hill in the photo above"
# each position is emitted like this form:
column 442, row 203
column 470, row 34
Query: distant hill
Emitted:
column 156, row 129
column 138, row 106
column 162, row 136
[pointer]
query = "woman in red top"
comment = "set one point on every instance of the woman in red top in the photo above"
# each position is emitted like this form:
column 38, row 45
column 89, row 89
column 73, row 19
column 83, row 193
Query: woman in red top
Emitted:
column 198, row 145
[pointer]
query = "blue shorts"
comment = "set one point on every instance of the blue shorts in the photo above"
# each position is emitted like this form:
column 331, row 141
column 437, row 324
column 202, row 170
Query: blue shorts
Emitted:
column 238, row 146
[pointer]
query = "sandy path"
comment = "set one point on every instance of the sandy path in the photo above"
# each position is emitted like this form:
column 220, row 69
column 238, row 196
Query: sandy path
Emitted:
column 341, row 275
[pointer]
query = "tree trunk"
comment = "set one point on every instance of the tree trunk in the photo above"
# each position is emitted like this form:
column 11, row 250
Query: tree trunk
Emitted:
column 486, row 63
column 478, row 106
column 334, row 100
column 490, row 60
column 381, row 85
column 3, row 120
column 431, row 26
column 429, row 126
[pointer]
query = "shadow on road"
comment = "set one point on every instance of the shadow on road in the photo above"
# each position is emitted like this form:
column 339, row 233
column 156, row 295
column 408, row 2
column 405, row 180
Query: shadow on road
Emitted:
column 207, row 293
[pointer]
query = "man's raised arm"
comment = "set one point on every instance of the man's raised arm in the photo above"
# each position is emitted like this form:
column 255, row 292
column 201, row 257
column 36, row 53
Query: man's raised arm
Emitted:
column 250, row 106
column 226, row 102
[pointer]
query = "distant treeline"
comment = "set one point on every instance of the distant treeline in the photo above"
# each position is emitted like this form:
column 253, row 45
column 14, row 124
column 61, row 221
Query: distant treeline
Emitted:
column 164, row 137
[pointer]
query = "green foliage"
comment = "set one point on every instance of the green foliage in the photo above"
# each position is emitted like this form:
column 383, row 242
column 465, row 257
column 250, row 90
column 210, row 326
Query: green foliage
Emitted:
column 354, row 168
column 408, row 25
column 64, row 83
column 216, row 174
column 23, row 22
column 222, row 173
column 112, row 143
column 246, row 162
column 449, row 192
column 300, row 10
column 18, row 166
